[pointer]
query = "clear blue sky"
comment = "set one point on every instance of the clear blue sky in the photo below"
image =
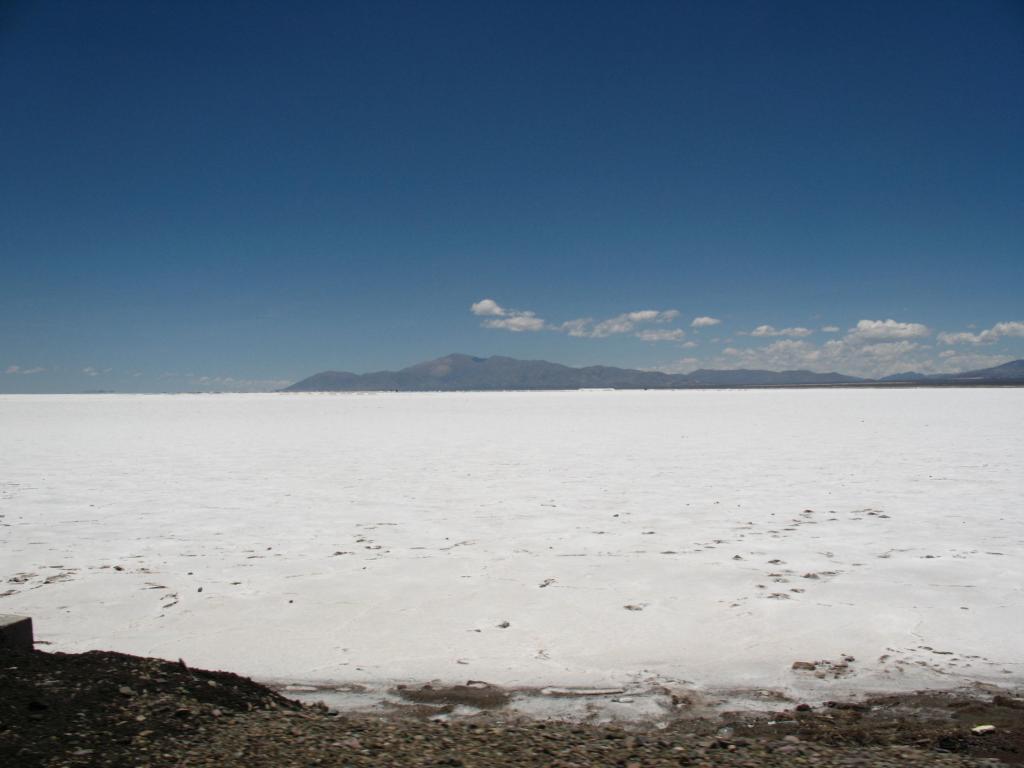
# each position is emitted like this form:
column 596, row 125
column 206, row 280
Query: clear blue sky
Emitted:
column 230, row 195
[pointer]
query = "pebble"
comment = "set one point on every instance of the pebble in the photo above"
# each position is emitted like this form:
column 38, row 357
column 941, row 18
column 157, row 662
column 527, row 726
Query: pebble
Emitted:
column 186, row 712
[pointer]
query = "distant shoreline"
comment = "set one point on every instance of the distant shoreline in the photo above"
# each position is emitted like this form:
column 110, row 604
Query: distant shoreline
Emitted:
column 723, row 387
column 717, row 388
column 460, row 372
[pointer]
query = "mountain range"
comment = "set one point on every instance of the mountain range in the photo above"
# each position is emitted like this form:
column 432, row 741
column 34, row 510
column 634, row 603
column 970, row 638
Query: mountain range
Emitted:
column 458, row 372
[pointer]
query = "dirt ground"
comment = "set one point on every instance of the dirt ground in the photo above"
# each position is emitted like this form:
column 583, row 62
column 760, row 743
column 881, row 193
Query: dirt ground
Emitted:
column 110, row 709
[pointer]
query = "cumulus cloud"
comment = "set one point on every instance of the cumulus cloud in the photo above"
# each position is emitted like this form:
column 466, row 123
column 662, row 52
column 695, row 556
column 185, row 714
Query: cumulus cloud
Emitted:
column 704, row 322
column 654, row 315
column 872, row 349
column 830, row 329
column 960, row 338
column 578, row 327
column 689, row 344
column 23, row 371
column 496, row 316
column 487, row 307
column 988, row 336
column 515, row 320
column 661, row 334
column 628, row 321
column 886, row 330
column 767, row 330
column 888, row 349
column 612, row 326
column 870, row 360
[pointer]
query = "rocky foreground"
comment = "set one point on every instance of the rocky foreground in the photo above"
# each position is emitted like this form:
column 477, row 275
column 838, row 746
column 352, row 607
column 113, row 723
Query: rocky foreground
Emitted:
column 110, row 709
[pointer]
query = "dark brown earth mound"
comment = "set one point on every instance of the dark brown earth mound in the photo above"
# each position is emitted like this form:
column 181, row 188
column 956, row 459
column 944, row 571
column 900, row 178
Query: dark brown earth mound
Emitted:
column 109, row 709
column 103, row 708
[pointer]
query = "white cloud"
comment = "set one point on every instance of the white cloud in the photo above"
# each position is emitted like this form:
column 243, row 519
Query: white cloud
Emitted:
column 661, row 334
column 627, row 322
column 704, row 322
column 487, row 307
column 988, row 336
column 23, row 371
column 830, row 329
column 515, row 320
column 767, row 330
column 612, row 326
column 689, row 344
column 578, row 327
column 1013, row 328
column 886, row 330
column 872, row 349
column 960, row 338
column 654, row 315
column 835, row 355
column 888, row 350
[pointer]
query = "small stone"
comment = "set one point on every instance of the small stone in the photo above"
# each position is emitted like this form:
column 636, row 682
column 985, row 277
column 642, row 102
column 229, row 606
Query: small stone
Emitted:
column 504, row 625
column 1007, row 701
column 983, row 729
column 124, row 690
column 804, row 665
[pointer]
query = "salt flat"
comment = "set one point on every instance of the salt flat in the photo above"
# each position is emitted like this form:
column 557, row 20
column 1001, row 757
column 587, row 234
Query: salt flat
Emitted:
column 696, row 539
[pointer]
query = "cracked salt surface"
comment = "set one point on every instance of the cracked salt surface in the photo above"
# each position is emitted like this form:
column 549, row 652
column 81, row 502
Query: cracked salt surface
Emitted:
column 388, row 538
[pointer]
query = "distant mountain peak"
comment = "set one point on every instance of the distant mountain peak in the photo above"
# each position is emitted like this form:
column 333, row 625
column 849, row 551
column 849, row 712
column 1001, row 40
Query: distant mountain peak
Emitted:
column 460, row 372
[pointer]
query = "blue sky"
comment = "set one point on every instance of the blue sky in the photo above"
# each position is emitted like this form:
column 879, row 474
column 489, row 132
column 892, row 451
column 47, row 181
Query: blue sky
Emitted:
column 234, row 195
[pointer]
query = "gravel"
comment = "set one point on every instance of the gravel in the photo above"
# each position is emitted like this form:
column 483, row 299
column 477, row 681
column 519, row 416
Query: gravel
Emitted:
column 110, row 709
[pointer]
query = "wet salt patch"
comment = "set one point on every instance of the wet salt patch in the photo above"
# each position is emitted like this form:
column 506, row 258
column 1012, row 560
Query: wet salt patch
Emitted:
column 454, row 509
